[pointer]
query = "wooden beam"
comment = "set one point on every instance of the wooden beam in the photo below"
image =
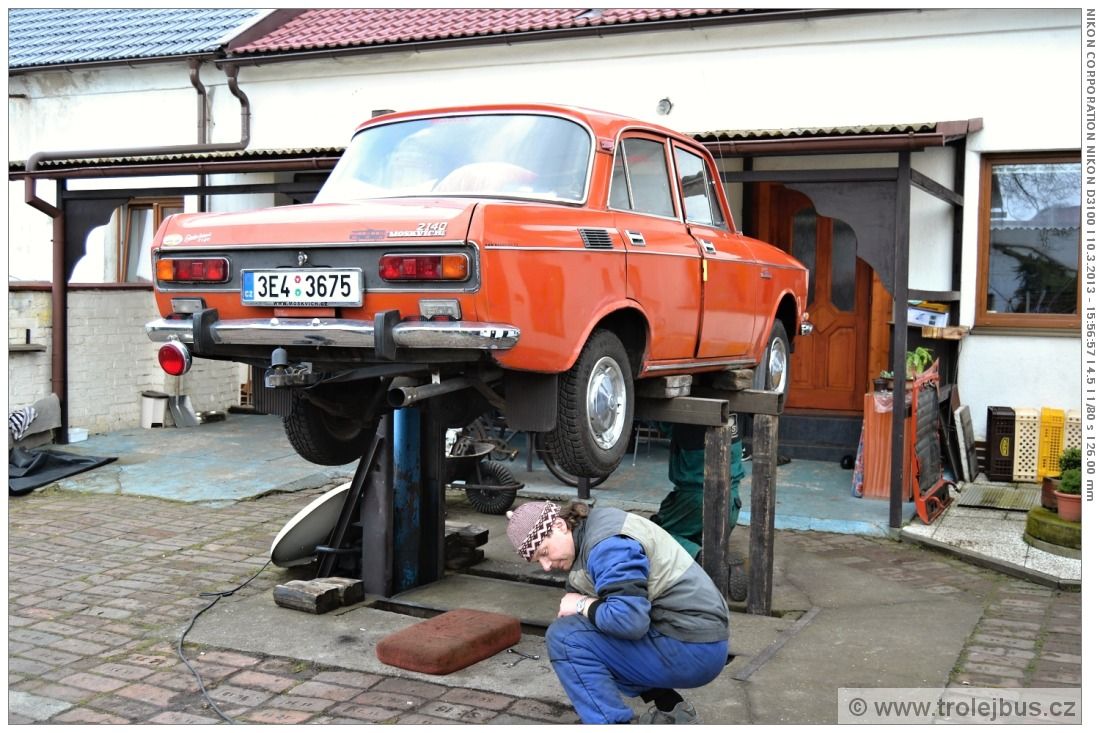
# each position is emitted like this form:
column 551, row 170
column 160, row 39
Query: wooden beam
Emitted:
column 716, row 504
column 765, row 440
column 686, row 410
column 749, row 401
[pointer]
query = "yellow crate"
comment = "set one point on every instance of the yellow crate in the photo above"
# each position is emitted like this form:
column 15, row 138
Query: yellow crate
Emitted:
column 1025, row 462
column 1052, row 427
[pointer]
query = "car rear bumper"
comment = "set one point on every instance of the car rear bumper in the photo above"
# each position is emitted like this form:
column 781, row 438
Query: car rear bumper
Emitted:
column 334, row 332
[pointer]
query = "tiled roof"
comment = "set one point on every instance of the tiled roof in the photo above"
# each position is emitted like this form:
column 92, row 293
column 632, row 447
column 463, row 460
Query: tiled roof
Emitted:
column 46, row 36
column 350, row 27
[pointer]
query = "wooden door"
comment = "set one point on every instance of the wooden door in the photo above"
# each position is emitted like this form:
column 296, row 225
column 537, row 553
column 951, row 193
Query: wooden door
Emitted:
column 829, row 367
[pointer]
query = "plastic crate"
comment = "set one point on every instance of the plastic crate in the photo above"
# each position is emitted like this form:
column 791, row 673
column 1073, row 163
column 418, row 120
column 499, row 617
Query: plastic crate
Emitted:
column 1072, row 435
column 1052, row 424
column 1025, row 464
column 1000, row 432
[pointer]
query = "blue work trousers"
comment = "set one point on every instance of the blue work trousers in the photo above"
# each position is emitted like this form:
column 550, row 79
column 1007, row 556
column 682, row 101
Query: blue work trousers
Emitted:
column 596, row 670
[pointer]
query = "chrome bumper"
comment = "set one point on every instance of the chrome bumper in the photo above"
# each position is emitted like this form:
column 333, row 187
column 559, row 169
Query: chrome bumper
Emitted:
column 339, row 332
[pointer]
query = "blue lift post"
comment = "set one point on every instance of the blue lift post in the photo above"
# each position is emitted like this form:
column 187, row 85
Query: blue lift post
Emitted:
column 407, row 491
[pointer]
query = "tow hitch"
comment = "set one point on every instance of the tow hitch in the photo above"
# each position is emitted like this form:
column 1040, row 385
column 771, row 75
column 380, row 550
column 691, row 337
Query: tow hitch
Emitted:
column 281, row 373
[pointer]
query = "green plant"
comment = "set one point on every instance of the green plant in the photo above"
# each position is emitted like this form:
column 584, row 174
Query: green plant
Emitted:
column 917, row 360
column 1071, row 481
column 1070, row 458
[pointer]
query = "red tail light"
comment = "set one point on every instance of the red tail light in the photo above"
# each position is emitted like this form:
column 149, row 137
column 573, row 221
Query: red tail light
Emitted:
column 424, row 267
column 196, row 270
column 174, row 358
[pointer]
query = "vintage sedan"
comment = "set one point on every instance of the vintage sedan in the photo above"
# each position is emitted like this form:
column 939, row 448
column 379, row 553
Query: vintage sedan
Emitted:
column 537, row 258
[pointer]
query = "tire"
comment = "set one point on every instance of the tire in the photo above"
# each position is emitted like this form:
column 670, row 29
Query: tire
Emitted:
column 595, row 409
column 773, row 373
column 561, row 475
column 323, row 438
column 493, row 501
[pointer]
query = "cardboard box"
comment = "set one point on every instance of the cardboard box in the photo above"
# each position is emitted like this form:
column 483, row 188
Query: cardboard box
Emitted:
column 925, row 317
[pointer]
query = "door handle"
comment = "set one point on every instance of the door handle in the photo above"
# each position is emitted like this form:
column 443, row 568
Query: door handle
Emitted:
column 636, row 238
column 707, row 245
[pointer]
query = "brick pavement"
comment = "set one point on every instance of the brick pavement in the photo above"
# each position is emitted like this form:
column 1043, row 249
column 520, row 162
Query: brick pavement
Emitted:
column 100, row 587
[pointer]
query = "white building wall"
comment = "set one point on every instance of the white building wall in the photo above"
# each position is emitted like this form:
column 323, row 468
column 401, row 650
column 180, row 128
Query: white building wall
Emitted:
column 1017, row 69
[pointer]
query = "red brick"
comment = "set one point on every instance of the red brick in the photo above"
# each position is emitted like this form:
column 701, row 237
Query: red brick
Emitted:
column 269, row 682
column 325, row 692
column 148, row 693
column 93, row 682
column 449, row 642
column 83, row 716
column 279, row 717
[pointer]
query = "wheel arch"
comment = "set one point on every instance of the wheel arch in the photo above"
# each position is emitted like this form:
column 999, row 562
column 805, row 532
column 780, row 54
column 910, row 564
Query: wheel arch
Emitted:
column 632, row 329
column 787, row 314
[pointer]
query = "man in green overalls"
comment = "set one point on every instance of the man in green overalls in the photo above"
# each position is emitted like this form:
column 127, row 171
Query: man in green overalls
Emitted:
column 681, row 512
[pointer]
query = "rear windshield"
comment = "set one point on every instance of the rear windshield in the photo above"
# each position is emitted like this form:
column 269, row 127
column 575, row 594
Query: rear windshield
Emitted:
column 499, row 155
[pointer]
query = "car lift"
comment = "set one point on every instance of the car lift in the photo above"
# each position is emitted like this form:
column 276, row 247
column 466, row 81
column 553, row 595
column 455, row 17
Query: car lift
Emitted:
column 397, row 492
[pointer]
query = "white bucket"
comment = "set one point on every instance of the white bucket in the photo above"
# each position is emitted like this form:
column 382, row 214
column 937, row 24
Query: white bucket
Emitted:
column 153, row 407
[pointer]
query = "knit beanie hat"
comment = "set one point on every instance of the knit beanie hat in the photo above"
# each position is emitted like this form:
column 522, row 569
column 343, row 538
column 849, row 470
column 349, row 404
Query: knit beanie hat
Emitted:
column 529, row 525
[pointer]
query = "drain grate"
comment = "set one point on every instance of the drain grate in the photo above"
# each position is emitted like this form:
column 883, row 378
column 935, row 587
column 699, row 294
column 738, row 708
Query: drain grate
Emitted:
column 1013, row 498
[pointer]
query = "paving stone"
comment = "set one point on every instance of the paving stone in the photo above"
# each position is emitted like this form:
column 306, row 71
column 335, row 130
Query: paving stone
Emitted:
column 528, row 708
column 93, row 682
column 159, row 696
column 378, row 698
column 82, row 648
column 84, row 716
column 278, row 717
column 360, row 680
column 477, row 698
column 421, row 719
column 35, row 707
column 367, row 713
column 269, row 682
column 304, row 704
column 238, row 695
column 122, row 671
column 413, row 688
column 175, row 718
column 136, row 710
column 228, row 658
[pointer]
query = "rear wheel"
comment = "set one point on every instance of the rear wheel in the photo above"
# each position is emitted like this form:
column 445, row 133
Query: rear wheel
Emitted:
column 595, row 409
column 773, row 373
column 323, row 438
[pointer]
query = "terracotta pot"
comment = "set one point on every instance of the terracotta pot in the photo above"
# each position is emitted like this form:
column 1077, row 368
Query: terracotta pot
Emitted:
column 1069, row 506
column 1046, row 496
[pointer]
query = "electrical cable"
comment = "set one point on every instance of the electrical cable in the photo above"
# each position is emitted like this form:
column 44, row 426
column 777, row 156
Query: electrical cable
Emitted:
column 179, row 644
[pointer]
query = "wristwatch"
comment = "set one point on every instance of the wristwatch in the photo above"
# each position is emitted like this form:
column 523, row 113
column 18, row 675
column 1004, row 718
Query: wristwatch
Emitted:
column 580, row 604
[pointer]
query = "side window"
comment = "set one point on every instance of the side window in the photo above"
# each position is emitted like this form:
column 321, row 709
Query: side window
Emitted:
column 639, row 181
column 700, row 197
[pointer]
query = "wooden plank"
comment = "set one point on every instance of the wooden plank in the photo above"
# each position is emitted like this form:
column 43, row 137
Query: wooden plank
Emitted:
column 749, row 401
column 470, row 535
column 732, row 380
column 685, row 410
column 664, row 387
column 716, row 505
column 311, row 596
column 765, row 439
column 376, row 517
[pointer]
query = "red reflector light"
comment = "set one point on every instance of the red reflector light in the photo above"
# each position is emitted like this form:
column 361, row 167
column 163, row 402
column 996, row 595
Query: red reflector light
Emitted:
column 174, row 358
column 198, row 270
column 424, row 267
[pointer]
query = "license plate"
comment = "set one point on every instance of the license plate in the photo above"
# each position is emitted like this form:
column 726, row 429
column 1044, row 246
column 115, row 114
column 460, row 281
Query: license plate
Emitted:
column 317, row 286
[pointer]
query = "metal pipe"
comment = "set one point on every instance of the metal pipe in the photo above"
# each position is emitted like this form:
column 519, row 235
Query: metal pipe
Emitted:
column 201, row 121
column 405, row 396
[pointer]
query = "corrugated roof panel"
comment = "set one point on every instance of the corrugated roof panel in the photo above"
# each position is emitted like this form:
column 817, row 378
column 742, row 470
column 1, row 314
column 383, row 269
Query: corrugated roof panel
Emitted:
column 349, row 27
column 793, row 132
column 45, row 36
column 266, row 154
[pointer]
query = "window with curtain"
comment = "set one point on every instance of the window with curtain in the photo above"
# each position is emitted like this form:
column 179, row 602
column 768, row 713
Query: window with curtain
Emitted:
column 1030, row 241
column 139, row 221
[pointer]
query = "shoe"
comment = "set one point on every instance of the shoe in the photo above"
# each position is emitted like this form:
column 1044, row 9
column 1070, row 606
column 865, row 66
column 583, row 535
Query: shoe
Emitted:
column 683, row 714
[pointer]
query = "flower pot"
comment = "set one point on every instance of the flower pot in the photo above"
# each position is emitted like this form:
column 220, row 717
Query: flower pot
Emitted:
column 1069, row 506
column 1046, row 496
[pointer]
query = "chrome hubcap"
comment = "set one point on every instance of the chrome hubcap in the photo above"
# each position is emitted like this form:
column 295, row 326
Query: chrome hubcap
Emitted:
column 606, row 401
column 777, row 366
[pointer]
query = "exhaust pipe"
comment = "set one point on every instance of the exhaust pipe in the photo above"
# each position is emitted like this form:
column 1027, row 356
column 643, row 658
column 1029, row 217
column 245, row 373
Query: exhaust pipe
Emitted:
column 403, row 396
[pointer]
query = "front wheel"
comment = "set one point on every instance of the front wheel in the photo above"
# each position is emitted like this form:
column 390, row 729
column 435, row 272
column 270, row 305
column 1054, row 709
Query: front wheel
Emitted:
column 773, row 373
column 595, row 409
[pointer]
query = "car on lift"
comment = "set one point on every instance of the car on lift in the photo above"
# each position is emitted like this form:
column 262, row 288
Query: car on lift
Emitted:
column 540, row 258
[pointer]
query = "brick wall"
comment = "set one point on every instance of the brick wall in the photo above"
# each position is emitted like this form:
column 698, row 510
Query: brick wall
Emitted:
column 111, row 361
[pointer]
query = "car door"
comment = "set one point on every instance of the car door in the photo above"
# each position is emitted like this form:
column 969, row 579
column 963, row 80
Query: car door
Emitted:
column 729, row 317
column 663, row 261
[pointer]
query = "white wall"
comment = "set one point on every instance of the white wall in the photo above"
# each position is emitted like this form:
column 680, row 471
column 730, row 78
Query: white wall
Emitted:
column 111, row 361
column 1017, row 69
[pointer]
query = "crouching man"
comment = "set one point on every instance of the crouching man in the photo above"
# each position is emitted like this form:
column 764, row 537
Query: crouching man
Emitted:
column 640, row 617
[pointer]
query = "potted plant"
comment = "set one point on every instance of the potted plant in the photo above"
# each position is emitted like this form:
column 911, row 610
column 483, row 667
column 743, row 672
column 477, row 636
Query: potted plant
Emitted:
column 1069, row 495
column 917, row 361
column 1070, row 458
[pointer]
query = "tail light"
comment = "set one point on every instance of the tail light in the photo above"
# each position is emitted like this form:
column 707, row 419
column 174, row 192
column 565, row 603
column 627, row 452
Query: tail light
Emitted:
column 193, row 270
column 174, row 358
column 394, row 267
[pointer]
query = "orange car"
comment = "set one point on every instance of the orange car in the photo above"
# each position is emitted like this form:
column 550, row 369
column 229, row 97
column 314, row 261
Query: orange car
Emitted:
column 547, row 256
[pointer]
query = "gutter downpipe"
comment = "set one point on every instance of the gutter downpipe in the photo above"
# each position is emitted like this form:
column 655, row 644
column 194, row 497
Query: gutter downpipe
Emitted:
column 59, row 362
